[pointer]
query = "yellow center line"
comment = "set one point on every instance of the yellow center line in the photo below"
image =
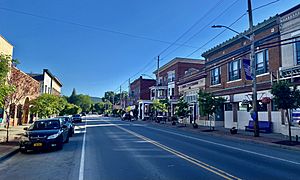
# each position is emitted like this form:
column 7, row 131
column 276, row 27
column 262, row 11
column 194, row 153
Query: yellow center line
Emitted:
column 197, row 162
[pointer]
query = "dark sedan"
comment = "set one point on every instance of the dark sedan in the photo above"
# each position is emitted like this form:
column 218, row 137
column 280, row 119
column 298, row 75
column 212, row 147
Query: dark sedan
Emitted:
column 44, row 134
column 68, row 122
column 76, row 118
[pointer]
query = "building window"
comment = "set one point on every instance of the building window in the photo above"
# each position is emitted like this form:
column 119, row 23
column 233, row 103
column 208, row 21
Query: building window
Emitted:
column 171, row 76
column 234, row 70
column 215, row 76
column 298, row 52
column 46, row 89
column 262, row 62
column 173, row 92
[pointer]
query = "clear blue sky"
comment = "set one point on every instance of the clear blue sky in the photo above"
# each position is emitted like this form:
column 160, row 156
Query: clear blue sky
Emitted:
column 94, row 61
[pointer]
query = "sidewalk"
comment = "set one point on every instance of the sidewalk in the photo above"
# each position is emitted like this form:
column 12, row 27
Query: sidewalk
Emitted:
column 10, row 148
column 272, row 139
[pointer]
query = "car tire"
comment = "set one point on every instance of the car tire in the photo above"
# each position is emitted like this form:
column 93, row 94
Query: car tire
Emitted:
column 67, row 140
column 60, row 146
column 23, row 151
column 70, row 133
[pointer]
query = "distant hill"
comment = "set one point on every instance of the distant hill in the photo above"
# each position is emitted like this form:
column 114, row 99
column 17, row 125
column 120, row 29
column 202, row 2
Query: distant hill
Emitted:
column 96, row 99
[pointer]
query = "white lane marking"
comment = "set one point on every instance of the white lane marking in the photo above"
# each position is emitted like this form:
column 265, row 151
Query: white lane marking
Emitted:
column 226, row 146
column 81, row 169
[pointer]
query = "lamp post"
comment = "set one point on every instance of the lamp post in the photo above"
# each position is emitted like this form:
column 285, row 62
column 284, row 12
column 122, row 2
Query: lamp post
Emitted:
column 253, row 67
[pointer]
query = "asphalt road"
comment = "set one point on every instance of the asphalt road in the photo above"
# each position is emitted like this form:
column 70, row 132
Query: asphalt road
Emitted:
column 110, row 149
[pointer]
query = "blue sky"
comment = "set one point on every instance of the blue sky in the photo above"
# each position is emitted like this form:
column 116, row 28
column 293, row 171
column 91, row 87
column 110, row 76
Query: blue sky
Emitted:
column 85, row 57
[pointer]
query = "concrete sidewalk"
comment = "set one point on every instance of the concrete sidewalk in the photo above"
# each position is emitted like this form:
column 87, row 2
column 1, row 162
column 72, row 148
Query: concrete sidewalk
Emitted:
column 273, row 139
column 10, row 148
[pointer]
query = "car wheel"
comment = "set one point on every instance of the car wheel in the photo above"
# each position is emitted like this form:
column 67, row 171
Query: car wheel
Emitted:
column 23, row 151
column 70, row 133
column 60, row 146
column 67, row 140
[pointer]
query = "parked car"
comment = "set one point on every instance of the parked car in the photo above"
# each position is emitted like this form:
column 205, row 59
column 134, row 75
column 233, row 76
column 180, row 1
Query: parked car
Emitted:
column 44, row 134
column 68, row 121
column 76, row 118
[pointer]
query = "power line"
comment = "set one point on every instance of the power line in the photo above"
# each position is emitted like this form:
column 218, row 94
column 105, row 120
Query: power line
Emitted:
column 190, row 28
column 92, row 27
column 216, row 35
column 259, row 7
column 204, row 27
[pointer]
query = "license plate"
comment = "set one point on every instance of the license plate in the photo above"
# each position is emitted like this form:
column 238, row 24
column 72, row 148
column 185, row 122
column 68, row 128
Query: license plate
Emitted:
column 37, row 144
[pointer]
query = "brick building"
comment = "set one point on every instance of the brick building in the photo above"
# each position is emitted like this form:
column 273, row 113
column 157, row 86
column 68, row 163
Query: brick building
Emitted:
column 26, row 89
column 168, row 75
column 226, row 77
column 139, row 90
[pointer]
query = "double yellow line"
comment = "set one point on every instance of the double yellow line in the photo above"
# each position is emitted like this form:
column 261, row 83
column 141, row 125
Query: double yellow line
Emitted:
column 201, row 164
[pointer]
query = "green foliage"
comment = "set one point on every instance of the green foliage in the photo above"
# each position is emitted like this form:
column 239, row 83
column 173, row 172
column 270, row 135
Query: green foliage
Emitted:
column 208, row 103
column 158, row 105
column 47, row 105
column 5, row 89
column 284, row 96
column 70, row 109
column 101, row 107
column 182, row 108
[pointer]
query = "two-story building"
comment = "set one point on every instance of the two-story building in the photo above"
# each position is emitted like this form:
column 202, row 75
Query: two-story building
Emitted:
column 139, row 95
column 168, row 75
column 189, row 86
column 226, row 75
column 49, row 84
column 290, row 56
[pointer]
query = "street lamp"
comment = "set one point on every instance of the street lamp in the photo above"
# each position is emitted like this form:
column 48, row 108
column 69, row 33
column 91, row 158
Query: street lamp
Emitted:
column 252, row 59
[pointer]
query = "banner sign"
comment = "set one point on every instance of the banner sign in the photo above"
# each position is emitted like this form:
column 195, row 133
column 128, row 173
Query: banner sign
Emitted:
column 247, row 69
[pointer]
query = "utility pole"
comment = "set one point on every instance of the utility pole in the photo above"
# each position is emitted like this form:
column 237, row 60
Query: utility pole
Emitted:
column 121, row 97
column 157, row 78
column 252, row 59
column 128, row 96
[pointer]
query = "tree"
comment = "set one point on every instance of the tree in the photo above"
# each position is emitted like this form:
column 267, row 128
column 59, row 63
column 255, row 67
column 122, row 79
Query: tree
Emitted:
column 70, row 109
column 47, row 105
column 109, row 96
column 182, row 108
column 100, row 107
column 159, row 106
column 5, row 87
column 84, row 102
column 208, row 103
column 72, row 98
column 285, row 98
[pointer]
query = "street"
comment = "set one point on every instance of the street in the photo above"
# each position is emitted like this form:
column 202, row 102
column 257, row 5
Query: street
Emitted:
column 115, row 149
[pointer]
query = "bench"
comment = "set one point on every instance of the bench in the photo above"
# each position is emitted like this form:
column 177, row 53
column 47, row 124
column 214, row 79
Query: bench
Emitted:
column 265, row 126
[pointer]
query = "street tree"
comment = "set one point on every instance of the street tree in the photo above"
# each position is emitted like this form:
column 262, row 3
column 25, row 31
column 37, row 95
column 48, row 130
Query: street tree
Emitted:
column 182, row 109
column 286, row 98
column 208, row 104
column 70, row 109
column 158, row 106
column 47, row 105
column 5, row 87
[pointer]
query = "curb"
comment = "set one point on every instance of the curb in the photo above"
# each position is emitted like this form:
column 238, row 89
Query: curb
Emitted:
column 9, row 154
column 231, row 137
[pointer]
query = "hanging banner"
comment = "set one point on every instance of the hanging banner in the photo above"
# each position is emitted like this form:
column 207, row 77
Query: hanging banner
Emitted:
column 247, row 69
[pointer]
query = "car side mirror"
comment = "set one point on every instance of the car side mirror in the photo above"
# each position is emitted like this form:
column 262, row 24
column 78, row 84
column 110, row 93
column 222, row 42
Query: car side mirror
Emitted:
column 25, row 128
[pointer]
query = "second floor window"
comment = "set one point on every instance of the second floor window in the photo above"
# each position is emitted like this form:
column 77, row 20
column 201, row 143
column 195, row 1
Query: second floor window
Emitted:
column 215, row 76
column 262, row 62
column 297, row 52
column 234, row 70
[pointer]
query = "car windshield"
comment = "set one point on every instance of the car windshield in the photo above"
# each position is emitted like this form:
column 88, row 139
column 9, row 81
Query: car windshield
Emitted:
column 76, row 115
column 45, row 125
